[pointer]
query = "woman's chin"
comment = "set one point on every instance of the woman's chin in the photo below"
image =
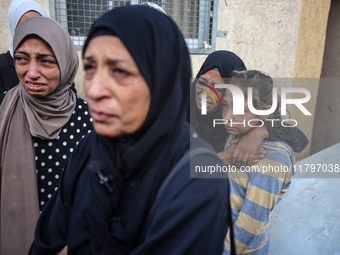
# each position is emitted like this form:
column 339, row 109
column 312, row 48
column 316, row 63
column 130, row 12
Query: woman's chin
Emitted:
column 105, row 130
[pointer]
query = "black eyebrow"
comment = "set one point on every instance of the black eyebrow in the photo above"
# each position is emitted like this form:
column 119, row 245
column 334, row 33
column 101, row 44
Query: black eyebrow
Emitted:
column 206, row 80
column 89, row 58
column 21, row 52
column 45, row 55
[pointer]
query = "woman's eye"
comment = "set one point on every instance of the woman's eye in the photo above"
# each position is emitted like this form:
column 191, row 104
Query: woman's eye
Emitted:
column 121, row 72
column 48, row 61
column 88, row 67
column 201, row 83
column 20, row 59
column 89, row 70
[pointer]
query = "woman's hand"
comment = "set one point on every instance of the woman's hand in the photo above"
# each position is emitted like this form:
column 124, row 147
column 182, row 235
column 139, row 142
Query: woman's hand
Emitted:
column 64, row 251
column 248, row 150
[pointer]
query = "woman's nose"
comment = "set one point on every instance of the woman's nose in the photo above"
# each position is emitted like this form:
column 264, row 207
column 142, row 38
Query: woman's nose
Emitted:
column 33, row 71
column 97, row 86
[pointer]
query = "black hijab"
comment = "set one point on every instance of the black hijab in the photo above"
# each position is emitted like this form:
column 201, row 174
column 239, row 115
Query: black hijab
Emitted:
column 137, row 164
column 225, row 62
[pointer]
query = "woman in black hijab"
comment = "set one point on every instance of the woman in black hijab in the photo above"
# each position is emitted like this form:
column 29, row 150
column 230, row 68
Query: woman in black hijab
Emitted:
column 126, row 188
column 217, row 69
column 219, row 64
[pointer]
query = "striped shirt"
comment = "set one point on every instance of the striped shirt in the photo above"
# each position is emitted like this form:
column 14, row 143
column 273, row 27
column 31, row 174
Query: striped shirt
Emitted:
column 254, row 193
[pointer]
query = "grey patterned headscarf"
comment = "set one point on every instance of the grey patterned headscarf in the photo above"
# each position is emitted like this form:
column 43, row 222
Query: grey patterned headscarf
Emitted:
column 23, row 116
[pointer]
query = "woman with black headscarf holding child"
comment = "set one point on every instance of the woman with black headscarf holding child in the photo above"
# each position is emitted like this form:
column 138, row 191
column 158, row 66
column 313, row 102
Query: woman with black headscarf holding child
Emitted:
column 218, row 68
column 126, row 188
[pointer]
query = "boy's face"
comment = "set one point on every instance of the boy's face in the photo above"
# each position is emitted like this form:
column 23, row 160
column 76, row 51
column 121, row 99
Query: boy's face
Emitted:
column 237, row 124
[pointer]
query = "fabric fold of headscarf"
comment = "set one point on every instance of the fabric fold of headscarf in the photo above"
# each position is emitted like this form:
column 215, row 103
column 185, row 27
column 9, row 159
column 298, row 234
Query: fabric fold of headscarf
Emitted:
column 140, row 161
column 23, row 116
column 225, row 62
column 16, row 10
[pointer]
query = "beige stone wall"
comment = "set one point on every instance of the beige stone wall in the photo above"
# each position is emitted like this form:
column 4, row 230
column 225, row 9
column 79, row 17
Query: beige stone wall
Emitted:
column 263, row 33
column 79, row 78
column 309, row 58
column 3, row 26
column 327, row 113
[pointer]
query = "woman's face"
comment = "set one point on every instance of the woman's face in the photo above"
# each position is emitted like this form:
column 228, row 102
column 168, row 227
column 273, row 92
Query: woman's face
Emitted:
column 237, row 124
column 206, row 80
column 37, row 67
column 118, row 95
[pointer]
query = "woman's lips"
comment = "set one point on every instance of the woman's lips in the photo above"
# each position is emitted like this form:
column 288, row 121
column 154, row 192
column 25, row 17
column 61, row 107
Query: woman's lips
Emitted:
column 100, row 116
column 35, row 86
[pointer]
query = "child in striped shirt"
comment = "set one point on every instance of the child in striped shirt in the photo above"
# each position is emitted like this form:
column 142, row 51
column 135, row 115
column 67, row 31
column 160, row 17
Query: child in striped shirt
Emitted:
column 255, row 190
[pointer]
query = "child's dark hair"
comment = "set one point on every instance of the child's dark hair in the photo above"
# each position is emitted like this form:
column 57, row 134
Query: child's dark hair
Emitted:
column 262, row 85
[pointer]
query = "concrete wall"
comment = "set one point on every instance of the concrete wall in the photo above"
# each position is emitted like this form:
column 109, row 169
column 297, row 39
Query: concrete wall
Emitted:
column 309, row 58
column 325, row 131
column 3, row 26
column 263, row 33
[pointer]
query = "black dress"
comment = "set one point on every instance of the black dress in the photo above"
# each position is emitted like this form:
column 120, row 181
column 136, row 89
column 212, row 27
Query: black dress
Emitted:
column 189, row 217
column 51, row 155
column 8, row 75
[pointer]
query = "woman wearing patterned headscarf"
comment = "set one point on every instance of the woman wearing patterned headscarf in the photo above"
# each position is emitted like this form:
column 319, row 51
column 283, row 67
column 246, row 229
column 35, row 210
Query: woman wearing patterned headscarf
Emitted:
column 18, row 12
column 127, row 187
column 42, row 119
